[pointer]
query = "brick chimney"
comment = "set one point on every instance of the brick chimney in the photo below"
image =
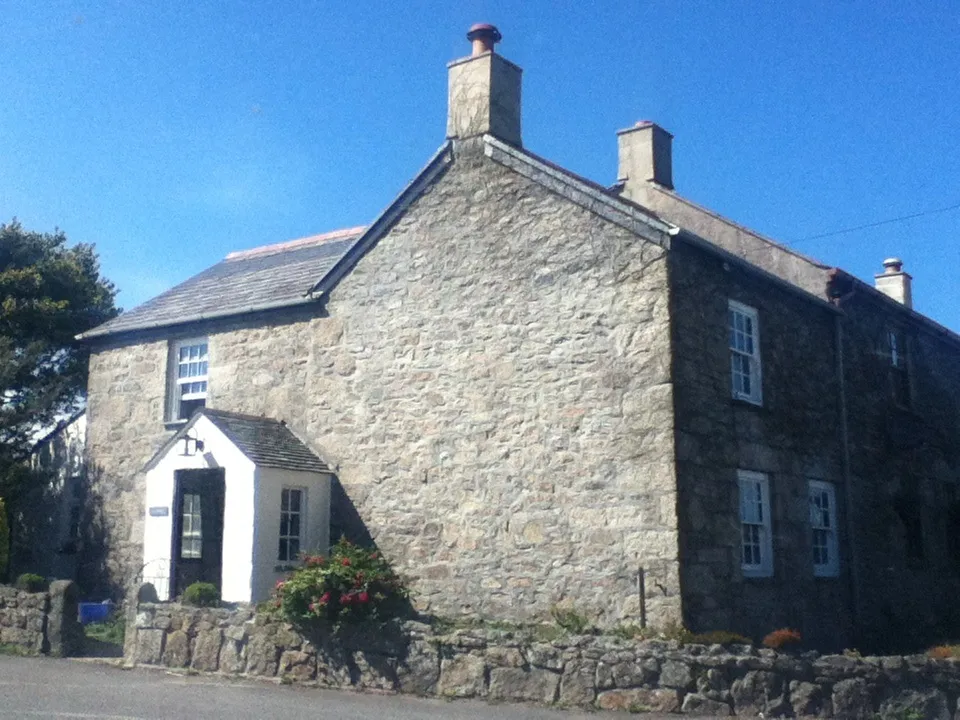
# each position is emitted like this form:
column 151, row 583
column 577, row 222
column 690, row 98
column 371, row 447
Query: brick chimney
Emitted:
column 484, row 91
column 894, row 282
column 645, row 155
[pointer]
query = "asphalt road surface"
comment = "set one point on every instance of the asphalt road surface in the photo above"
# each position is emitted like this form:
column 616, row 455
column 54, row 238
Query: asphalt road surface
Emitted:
column 48, row 688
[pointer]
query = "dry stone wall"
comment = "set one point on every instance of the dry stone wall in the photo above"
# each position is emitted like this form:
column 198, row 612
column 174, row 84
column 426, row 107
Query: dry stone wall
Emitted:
column 43, row 622
column 577, row 671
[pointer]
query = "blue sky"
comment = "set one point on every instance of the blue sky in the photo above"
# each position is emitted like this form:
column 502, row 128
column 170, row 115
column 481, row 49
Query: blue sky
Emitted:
column 172, row 133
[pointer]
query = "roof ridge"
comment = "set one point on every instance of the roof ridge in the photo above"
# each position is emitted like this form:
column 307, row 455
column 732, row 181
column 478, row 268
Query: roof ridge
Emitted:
column 296, row 244
column 777, row 244
column 239, row 415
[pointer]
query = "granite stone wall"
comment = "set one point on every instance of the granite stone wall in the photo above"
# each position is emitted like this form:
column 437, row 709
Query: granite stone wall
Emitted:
column 43, row 622
column 491, row 382
column 905, row 469
column 579, row 671
column 793, row 437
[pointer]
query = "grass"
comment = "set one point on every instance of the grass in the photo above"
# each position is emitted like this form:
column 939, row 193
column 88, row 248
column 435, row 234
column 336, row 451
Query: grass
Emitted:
column 10, row 649
column 570, row 622
column 110, row 631
column 105, row 639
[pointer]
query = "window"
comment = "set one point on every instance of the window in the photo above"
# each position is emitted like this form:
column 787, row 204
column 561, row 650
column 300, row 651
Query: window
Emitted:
column 191, row 536
column 188, row 366
column 744, row 353
column 823, row 525
column 291, row 523
column 756, row 540
column 899, row 379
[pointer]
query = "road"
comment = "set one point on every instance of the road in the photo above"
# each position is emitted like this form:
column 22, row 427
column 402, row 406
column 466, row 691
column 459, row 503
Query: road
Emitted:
column 53, row 689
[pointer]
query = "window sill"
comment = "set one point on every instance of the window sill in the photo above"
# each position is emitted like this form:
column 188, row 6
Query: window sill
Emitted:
column 743, row 402
column 173, row 424
column 288, row 567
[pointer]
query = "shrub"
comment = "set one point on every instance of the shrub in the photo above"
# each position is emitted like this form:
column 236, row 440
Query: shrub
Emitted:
column 31, row 582
column 675, row 631
column 943, row 652
column 570, row 620
column 720, row 637
column 354, row 584
column 779, row 639
column 201, row 594
column 631, row 631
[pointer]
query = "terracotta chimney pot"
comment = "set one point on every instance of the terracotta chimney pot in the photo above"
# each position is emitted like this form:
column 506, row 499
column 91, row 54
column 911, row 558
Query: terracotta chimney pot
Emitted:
column 483, row 36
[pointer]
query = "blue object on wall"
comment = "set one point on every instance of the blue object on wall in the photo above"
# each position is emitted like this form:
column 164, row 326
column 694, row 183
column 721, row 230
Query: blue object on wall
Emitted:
column 95, row 612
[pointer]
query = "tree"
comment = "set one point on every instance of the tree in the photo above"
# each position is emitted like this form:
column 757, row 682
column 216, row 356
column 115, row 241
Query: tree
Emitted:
column 49, row 293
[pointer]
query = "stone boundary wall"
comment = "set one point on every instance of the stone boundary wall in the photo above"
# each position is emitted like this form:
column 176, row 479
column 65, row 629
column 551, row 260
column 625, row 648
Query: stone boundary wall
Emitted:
column 44, row 622
column 577, row 671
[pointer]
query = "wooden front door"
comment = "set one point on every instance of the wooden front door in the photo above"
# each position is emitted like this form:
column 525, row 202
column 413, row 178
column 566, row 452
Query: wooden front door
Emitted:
column 197, row 528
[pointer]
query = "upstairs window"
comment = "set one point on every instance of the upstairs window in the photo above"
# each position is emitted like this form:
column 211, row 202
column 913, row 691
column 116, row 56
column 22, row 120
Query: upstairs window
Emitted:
column 188, row 365
column 744, row 353
column 823, row 526
column 756, row 539
column 899, row 378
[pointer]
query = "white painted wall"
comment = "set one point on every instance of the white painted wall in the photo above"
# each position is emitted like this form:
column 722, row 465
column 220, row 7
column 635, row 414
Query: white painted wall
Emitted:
column 315, row 525
column 238, row 520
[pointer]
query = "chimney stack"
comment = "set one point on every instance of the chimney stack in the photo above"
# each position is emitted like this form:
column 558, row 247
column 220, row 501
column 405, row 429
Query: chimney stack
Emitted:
column 645, row 155
column 894, row 282
column 484, row 91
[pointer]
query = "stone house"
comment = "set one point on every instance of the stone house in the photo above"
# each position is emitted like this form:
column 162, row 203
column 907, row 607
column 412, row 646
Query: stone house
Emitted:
column 46, row 527
column 529, row 389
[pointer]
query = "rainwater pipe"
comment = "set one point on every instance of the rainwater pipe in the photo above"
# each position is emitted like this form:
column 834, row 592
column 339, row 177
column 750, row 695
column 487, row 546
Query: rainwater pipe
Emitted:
column 836, row 294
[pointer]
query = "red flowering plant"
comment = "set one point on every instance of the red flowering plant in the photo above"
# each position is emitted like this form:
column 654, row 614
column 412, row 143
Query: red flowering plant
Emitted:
column 353, row 584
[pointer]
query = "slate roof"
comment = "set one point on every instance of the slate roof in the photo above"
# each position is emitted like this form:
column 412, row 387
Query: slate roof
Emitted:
column 259, row 279
column 266, row 442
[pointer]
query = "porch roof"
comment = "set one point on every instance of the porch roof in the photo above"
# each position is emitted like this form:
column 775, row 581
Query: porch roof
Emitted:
column 264, row 441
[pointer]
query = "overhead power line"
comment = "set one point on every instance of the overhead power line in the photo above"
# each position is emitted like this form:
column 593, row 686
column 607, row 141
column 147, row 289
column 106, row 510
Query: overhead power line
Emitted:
column 877, row 224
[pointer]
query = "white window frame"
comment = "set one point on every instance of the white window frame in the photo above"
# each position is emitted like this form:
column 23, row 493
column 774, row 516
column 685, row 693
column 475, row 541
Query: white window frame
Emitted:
column 176, row 382
column 755, row 395
column 899, row 367
column 301, row 514
column 831, row 568
column 755, row 514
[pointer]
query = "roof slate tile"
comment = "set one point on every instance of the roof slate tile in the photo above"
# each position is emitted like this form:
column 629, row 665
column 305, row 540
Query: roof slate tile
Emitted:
column 273, row 276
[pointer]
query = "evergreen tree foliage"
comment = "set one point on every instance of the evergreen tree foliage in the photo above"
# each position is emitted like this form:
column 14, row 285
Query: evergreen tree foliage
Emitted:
column 49, row 293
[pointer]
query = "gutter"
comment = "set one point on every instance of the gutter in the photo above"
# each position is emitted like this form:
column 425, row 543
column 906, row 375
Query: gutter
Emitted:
column 854, row 556
column 196, row 318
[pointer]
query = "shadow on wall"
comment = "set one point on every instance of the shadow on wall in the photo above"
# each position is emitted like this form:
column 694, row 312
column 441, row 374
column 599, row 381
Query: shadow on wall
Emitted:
column 345, row 520
column 94, row 573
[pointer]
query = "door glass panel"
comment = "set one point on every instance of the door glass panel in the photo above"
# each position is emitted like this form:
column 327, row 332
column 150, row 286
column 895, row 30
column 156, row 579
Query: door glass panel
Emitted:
column 191, row 535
